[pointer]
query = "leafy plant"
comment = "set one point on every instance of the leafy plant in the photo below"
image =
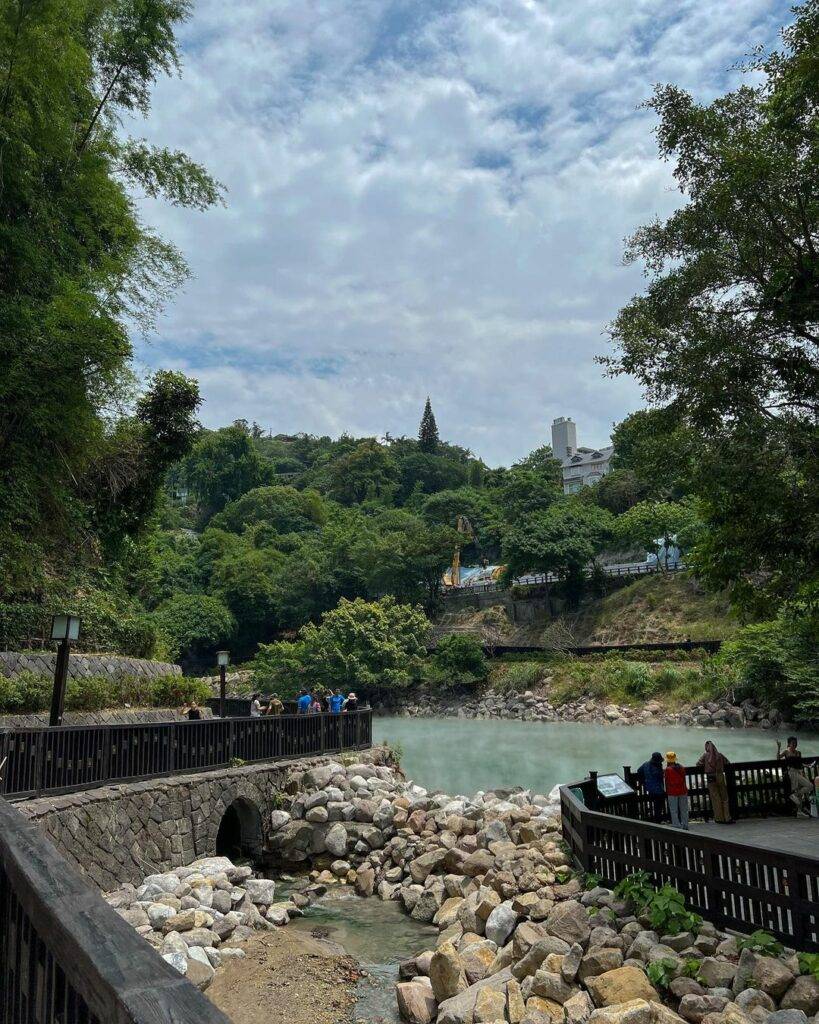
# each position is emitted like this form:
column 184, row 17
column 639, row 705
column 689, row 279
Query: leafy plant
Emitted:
column 809, row 964
column 662, row 972
column 761, row 942
column 636, row 888
column 591, row 880
column 667, row 913
column 563, row 875
column 690, row 968
column 458, row 660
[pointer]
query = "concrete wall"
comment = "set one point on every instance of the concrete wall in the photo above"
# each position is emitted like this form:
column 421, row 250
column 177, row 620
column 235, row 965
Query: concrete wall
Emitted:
column 121, row 833
column 81, row 666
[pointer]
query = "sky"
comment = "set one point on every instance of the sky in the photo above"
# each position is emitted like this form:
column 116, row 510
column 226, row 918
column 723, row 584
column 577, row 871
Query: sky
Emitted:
column 424, row 197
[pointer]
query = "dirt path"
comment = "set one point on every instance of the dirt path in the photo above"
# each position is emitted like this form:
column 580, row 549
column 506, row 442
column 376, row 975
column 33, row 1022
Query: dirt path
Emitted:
column 287, row 977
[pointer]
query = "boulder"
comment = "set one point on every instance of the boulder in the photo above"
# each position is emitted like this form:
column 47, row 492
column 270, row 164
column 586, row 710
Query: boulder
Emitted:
column 694, row 1007
column 621, row 986
column 716, row 973
column 416, row 1003
column 549, row 985
column 632, row 1011
column 578, row 1008
column 199, row 974
column 542, row 1011
column 336, row 840
column 771, row 976
column 446, row 972
column 260, row 891
column 460, row 1008
column 787, row 1017
column 802, row 995
column 477, row 958
column 365, row 880
column 598, row 961
column 530, row 963
column 500, row 923
column 490, row 1005
column 570, row 922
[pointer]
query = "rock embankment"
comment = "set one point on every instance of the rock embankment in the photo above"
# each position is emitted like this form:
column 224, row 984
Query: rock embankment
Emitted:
column 530, row 706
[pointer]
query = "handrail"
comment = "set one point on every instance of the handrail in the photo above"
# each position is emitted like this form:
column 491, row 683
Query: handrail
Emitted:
column 67, row 758
column 732, row 884
column 539, row 579
column 66, row 956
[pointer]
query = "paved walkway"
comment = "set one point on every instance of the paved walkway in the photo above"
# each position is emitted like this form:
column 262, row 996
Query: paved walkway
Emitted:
column 791, row 835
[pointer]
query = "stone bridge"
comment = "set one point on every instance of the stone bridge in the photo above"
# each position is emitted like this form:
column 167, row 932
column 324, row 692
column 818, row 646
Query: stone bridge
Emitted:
column 120, row 833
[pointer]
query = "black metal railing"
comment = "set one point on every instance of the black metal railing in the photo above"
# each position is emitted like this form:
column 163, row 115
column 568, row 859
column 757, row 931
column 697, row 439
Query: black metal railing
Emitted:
column 66, row 957
column 539, row 579
column 44, row 760
column 732, row 884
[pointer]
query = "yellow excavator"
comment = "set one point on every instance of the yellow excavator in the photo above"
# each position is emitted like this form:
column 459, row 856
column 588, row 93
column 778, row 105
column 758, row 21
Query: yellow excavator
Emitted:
column 452, row 577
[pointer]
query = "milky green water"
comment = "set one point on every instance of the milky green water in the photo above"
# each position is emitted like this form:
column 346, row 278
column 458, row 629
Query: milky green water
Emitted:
column 461, row 755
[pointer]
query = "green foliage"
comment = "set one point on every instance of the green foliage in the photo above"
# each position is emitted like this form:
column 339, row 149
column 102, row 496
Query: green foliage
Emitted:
column 809, row 964
column 79, row 267
column 367, row 474
column 664, row 907
column 591, row 880
column 761, row 942
column 222, row 466
column 690, row 968
column 649, row 521
column 662, row 972
column 657, row 449
column 458, row 660
column 428, row 439
column 25, row 693
column 174, row 691
column 194, row 624
column 281, row 509
column 517, row 677
column 369, row 647
column 619, row 491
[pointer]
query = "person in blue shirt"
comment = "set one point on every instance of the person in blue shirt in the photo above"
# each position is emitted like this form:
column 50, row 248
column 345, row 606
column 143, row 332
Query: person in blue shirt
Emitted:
column 650, row 774
column 335, row 702
column 304, row 702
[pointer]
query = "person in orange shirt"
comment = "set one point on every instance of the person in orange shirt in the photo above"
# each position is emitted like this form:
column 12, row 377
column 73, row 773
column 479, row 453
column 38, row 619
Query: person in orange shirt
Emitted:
column 676, row 791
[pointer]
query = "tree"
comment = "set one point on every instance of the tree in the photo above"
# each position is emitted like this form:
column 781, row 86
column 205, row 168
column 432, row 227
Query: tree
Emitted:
column 619, row 490
column 728, row 327
column 368, row 473
column 563, row 539
column 284, row 509
column 542, row 462
column 194, row 625
column 79, row 265
column 369, row 647
column 653, row 525
column 409, row 556
column 222, row 467
column 659, row 448
column 428, row 439
column 458, row 660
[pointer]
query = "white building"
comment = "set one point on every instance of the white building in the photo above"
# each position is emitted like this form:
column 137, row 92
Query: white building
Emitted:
column 581, row 466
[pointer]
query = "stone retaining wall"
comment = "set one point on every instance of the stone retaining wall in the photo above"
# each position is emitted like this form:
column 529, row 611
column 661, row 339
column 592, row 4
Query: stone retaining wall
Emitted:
column 113, row 717
column 81, row 666
column 122, row 833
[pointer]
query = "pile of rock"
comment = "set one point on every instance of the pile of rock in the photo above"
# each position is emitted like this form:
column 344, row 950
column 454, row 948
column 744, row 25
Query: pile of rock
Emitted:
column 531, row 706
column 190, row 913
column 586, row 963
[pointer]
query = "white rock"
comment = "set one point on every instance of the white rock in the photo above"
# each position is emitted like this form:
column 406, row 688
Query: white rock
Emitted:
column 261, row 891
column 178, row 961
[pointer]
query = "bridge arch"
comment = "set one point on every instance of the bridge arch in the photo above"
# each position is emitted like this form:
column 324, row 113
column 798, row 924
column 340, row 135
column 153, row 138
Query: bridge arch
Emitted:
column 240, row 830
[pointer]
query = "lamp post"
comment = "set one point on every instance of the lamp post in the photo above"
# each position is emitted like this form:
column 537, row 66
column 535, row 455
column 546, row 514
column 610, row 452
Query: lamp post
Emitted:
column 64, row 629
column 222, row 659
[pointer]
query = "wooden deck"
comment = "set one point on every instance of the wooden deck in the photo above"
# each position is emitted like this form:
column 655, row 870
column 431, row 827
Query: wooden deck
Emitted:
column 799, row 836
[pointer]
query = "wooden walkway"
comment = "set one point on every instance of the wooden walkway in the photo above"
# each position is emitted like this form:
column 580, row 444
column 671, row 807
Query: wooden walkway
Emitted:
column 799, row 836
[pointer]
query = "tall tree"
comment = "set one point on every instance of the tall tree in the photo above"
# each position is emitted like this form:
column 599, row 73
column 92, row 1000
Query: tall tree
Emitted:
column 78, row 263
column 728, row 327
column 428, row 439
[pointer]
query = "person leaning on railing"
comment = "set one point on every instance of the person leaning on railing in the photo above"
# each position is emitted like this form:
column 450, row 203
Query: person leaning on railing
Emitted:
column 801, row 788
column 715, row 764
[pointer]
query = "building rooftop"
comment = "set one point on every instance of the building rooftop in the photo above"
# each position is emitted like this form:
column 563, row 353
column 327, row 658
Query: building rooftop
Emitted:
column 584, row 456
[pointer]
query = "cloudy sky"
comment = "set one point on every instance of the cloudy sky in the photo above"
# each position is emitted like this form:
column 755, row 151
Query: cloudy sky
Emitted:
column 425, row 197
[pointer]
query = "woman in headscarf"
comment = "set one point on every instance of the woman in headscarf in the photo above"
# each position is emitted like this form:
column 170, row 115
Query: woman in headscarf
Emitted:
column 714, row 764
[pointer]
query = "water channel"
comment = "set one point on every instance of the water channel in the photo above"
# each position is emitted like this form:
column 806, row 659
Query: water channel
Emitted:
column 465, row 755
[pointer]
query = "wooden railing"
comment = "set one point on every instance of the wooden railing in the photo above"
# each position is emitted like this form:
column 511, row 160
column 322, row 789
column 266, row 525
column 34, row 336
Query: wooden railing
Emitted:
column 43, row 760
column 731, row 884
column 66, row 957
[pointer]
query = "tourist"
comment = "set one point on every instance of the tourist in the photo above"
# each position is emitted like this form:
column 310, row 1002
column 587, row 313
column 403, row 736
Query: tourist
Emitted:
column 190, row 710
column 315, row 706
column 351, row 704
column 335, row 702
column 650, row 774
column 715, row 764
column 676, row 791
column 255, row 706
column 304, row 702
column 274, row 706
column 801, row 788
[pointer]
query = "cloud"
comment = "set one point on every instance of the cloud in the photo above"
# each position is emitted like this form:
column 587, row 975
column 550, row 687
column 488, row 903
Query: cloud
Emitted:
column 425, row 197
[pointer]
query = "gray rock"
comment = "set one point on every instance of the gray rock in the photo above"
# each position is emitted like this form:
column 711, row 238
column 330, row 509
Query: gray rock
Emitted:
column 261, row 891
column 501, row 923
column 570, row 922
column 717, row 973
column 802, row 995
column 788, row 1017
column 694, row 1007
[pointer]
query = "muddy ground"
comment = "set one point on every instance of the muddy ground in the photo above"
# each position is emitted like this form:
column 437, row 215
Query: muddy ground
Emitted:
column 287, row 977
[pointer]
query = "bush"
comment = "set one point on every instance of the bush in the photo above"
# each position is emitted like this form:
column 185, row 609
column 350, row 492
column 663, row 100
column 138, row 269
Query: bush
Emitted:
column 194, row 625
column 25, row 693
column 91, row 693
column 458, row 660
column 517, row 676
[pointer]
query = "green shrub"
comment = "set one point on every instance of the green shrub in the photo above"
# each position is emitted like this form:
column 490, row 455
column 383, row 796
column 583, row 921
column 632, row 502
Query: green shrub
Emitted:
column 516, row 677
column 761, row 942
column 25, row 693
column 662, row 972
column 91, row 693
column 458, row 660
column 172, row 691
column 809, row 964
column 664, row 907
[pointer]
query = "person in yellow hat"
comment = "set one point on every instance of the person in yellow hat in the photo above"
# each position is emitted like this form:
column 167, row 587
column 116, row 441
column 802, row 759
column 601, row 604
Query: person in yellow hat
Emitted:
column 676, row 791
